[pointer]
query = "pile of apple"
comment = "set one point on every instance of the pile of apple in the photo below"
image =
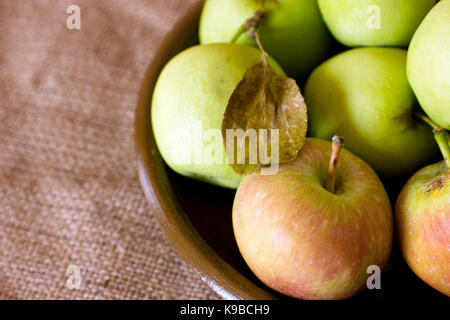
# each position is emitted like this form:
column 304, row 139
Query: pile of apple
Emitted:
column 312, row 229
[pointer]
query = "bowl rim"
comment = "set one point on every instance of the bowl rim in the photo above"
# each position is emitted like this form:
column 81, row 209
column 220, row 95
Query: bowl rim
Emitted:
column 182, row 235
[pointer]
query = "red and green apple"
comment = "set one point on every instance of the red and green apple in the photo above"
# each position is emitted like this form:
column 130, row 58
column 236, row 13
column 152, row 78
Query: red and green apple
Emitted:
column 422, row 213
column 311, row 230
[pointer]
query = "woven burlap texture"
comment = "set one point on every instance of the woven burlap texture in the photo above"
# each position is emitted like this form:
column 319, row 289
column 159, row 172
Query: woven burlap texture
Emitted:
column 69, row 191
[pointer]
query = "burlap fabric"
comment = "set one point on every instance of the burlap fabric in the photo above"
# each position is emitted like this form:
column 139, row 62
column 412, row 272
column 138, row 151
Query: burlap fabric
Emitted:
column 69, row 192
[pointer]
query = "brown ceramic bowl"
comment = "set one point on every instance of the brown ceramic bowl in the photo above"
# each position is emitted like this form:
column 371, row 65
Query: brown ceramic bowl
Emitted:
column 196, row 217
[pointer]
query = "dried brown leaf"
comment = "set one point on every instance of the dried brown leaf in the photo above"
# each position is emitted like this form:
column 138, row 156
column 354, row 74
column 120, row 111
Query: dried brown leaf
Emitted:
column 264, row 100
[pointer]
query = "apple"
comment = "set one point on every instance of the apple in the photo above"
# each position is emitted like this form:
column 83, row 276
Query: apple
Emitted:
column 307, row 236
column 363, row 94
column 422, row 214
column 188, row 104
column 292, row 31
column 428, row 65
column 374, row 23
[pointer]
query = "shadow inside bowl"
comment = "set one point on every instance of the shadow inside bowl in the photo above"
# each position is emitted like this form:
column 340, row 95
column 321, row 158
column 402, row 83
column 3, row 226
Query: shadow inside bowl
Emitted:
column 209, row 209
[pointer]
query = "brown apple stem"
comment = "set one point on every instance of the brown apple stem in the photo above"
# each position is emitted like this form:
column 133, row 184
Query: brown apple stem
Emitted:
column 249, row 25
column 255, row 35
column 441, row 137
column 336, row 147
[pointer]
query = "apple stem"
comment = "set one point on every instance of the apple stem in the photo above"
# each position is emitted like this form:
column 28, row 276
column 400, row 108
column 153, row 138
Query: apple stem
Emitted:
column 336, row 147
column 427, row 120
column 249, row 25
column 238, row 33
column 255, row 35
column 441, row 137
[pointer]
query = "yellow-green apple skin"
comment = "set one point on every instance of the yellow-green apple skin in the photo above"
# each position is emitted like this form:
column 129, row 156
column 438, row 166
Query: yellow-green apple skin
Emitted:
column 363, row 94
column 188, row 104
column 422, row 214
column 374, row 23
column 292, row 31
column 428, row 64
column 306, row 242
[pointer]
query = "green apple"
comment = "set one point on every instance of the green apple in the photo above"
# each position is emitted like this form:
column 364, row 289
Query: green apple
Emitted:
column 188, row 104
column 428, row 65
column 374, row 23
column 422, row 215
column 292, row 31
column 306, row 241
column 363, row 94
